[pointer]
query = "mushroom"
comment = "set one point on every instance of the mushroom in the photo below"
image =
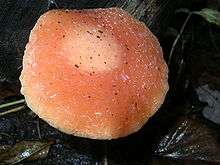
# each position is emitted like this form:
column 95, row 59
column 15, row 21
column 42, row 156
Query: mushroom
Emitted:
column 95, row 73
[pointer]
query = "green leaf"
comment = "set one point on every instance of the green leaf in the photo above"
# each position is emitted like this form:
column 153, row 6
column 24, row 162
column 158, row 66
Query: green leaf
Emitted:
column 210, row 15
column 25, row 150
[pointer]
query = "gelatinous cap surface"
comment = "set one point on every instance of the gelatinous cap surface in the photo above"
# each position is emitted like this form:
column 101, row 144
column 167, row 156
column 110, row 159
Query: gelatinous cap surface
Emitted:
column 95, row 73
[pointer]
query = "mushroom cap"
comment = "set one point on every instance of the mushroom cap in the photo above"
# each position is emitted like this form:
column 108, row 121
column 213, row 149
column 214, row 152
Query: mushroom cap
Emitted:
column 95, row 73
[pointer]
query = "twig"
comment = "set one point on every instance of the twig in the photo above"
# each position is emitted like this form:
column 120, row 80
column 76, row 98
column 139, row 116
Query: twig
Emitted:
column 105, row 160
column 52, row 2
column 178, row 37
column 20, row 67
column 105, row 152
column 12, row 110
column 38, row 128
column 12, row 103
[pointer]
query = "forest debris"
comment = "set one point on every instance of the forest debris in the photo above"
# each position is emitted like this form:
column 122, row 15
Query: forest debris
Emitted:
column 25, row 150
column 12, row 110
column 190, row 139
column 212, row 98
column 12, row 103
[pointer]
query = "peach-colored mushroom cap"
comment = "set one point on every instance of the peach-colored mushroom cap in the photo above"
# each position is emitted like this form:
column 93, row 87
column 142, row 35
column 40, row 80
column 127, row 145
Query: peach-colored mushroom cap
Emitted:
column 95, row 73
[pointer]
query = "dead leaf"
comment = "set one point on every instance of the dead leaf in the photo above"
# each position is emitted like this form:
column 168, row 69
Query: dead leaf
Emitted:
column 25, row 150
column 190, row 139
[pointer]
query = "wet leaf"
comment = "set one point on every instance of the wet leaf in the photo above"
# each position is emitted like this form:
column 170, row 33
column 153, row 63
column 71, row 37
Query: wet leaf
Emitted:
column 4, row 148
column 190, row 140
column 210, row 15
column 212, row 98
column 25, row 150
column 42, row 154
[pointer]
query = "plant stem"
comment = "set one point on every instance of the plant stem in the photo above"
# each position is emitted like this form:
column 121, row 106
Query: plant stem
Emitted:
column 38, row 128
column 12, row 103
column 12, row 110
column 178, row 37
